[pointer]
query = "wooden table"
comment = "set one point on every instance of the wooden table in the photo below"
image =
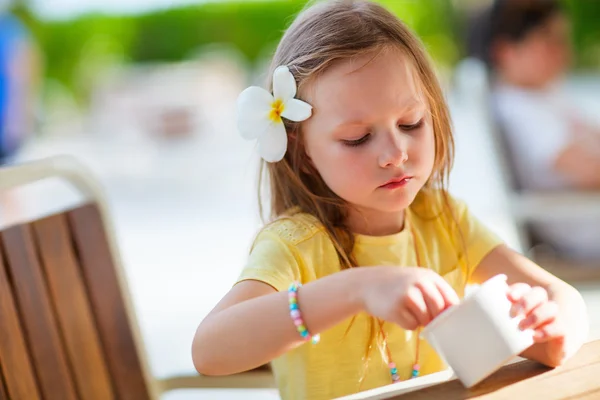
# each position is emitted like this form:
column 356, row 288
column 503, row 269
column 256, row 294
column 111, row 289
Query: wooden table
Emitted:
column 579, row 378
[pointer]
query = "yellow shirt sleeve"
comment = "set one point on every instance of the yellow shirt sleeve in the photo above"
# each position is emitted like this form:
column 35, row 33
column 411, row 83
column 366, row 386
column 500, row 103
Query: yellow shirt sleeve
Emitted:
column 478, row 240
column 272, row 261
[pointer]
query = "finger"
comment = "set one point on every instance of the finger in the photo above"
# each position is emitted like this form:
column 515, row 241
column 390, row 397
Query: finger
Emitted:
column 541, row 315
column 551, row 331
column 448, row 293
column 536, row 296
column 416, row 305
column 433, row 298
column 407, row 320
column 517, row 291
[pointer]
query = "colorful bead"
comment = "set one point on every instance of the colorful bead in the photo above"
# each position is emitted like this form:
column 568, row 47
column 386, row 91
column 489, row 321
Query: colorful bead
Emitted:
column 394, row 371
column 296, row 315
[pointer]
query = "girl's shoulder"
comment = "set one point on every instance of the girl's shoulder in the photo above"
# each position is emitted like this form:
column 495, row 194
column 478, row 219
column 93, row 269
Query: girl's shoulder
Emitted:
column 294, row 227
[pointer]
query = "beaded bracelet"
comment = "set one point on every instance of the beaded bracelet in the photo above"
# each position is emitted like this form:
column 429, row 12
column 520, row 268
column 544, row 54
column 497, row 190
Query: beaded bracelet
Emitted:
column 297, row 316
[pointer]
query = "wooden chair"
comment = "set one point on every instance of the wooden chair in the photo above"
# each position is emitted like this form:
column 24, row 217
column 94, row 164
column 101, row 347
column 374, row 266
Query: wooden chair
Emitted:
column 527, row 207
column 68, row 327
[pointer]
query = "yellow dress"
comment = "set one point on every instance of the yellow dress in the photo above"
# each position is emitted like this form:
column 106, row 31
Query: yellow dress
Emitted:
column 296, row 248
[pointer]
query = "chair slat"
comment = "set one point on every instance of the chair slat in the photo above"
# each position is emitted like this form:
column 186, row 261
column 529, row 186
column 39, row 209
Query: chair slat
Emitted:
column 108, row 304
column 47, row 350
column 17, row 371
column 73, row 309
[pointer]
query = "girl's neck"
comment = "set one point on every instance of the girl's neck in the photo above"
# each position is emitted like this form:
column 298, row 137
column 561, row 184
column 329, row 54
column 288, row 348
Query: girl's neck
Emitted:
column 375, row 223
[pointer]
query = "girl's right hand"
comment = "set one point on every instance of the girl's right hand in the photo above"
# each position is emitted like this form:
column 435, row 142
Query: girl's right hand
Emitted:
column 409, row 296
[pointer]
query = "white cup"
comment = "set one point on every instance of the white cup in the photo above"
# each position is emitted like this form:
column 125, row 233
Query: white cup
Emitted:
column 478, row 336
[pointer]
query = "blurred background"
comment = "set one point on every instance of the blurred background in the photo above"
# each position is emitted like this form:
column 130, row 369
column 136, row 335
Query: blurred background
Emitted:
column 143, row 92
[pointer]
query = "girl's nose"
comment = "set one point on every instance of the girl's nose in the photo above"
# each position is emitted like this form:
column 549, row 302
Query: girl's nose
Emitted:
column 394, row 153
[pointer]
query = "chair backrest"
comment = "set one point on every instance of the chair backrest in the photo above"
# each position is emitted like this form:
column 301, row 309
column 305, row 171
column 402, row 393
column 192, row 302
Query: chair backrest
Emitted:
column 509, row 168
column 475, row 84
column 68, row 330
column 528, row 237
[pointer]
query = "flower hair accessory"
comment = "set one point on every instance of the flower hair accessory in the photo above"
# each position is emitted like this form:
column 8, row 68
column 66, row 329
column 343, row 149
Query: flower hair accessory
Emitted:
column 259, row 114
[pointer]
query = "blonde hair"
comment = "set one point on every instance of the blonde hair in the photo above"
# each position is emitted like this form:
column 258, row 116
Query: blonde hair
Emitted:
column 321, row 35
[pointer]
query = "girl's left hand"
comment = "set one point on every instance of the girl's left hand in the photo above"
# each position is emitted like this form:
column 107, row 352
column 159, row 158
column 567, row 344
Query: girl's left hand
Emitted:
column 541, row 314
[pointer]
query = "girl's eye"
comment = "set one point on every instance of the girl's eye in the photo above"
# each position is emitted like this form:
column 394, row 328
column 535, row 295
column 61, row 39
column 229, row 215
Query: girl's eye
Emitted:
column 365, row 138
column 412, row 127
column 357, row 142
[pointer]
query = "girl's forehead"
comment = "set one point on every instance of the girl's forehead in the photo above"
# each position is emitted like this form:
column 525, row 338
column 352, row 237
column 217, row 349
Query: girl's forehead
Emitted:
column 373, row 82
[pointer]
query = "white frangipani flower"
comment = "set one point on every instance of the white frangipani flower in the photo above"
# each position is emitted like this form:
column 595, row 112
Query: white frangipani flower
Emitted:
column 259, row 114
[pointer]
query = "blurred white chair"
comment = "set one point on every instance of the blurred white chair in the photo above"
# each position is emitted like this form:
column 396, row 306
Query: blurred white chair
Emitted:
column 526, row 206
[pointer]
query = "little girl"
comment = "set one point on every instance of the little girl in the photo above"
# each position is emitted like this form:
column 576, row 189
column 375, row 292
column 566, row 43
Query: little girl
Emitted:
column 365, row 246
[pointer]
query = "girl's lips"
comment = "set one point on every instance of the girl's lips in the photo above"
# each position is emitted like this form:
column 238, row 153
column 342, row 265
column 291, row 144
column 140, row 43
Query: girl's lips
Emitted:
column 396, row 183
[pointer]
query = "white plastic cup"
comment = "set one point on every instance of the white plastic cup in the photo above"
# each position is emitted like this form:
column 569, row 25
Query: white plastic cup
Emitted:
column 478, row 336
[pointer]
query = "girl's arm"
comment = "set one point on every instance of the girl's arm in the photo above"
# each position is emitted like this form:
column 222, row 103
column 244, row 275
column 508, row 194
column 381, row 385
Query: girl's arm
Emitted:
column 555, row 309
column 251, row 325
column 253, row 322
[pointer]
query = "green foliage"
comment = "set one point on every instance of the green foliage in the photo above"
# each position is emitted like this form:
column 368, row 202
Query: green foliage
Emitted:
column 434, row 22
column 75, row 49
column 585, row 17
column 174, row 34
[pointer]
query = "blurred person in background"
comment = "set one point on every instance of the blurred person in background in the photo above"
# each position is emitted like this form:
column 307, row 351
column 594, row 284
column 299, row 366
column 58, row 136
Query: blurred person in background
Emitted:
column 19, row 78
column 526, row 46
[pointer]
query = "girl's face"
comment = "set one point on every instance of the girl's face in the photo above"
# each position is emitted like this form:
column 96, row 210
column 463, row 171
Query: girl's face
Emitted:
column 371, row 136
